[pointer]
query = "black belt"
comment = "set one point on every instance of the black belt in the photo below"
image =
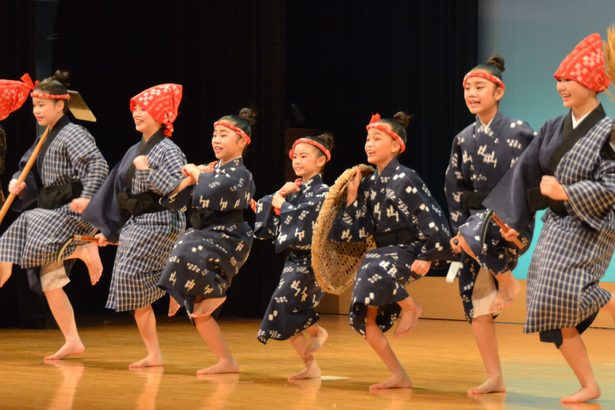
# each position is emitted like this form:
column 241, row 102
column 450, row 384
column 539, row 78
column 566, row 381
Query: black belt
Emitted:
column 399, row 237
column 55, row 197
column 473, row 200
column 538, row 201
column 139, row 204
column 203, row 218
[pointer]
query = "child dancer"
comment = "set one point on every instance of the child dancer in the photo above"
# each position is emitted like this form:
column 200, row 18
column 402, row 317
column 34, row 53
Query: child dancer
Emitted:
column 410, row 230
column 569, row 168
column 127, row 210
column 481, row 155
column 208, row 256
column 68, row 171
column 288, row 216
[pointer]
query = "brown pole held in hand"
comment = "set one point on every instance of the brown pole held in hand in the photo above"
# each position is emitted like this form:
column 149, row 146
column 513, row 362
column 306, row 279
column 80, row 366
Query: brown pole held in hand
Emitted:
column 24, row 173
column 505, row 228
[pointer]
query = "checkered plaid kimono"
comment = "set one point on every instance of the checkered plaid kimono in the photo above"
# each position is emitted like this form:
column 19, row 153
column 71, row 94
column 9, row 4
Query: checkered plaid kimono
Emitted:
column 291, row 309
column 36, row 236
column 573, row 250
column 204, row 261
column 393, row 200
column 145, row 241
column 480, row 156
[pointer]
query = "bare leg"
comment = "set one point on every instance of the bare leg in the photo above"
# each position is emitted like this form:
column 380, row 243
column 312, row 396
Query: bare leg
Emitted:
column 207, row 307
column 610, row 307
column 62, row 312
column 311, row 371
column 146, row 322
column 6, row 269
column 88, row 253
column 318, row 336
column 486, row 340
column 508, row 288
column 574, row 351
column 211, row 334
column 410, row 313
column 378, row 341
column 173, row 306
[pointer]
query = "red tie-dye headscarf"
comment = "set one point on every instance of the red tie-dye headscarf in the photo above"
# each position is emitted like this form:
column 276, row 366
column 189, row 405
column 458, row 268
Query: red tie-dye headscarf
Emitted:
column 13, row 94
column 161, row 102
column 585, row 64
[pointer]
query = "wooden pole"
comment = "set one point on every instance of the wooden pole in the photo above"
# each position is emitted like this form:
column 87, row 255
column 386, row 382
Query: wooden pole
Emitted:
column 24, row 173
column 505, row 228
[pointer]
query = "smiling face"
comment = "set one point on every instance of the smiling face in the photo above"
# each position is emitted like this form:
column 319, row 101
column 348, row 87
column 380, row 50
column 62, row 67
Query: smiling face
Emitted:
column 144, row 123
column 227, row 144
column 380, row 148
column 47, row 111
column 482, row 97
column 576, row 96
column 307, row 161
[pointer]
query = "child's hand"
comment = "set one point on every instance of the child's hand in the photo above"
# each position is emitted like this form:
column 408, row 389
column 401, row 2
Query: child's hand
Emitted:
column 288, row 188
column 510, row 234
column 79, row 205
column 102, row 240
column 551, row 188
column 277, row 200
column 353, row 187
column 15, row 188
column 141, row 163
column 420, row 267
column 191, row 171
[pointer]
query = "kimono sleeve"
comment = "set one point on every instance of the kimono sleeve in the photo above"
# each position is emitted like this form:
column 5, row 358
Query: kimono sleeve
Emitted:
column 592, row 200
column 429, row 220
column 455, row 184
column 509, row 198
column 354, row 222
column 164, row 173
column 265, row 222
column 297, row 221
column 88, row 162
column 224, row 190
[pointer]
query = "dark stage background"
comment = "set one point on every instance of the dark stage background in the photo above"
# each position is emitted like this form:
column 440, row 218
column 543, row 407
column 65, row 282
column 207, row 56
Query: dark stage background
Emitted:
column 302, row 64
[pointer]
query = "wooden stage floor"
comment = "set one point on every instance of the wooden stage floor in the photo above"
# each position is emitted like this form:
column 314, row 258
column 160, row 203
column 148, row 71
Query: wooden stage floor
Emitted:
column 440, row 356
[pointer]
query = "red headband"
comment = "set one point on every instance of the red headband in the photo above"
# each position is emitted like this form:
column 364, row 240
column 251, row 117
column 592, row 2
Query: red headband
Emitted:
column 310, row 142
column 485, row 75
column 236, row 129
column 39, row 94
column 374, row 123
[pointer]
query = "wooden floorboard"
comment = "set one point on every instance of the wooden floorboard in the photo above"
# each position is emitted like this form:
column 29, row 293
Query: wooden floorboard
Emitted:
column 440, row 356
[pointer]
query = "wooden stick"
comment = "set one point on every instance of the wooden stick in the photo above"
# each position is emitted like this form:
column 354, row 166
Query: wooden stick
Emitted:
column 505, row 228
column 24, row 173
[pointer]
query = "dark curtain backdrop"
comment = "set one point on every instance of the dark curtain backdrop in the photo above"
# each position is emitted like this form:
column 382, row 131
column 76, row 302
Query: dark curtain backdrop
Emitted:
column 337, row 61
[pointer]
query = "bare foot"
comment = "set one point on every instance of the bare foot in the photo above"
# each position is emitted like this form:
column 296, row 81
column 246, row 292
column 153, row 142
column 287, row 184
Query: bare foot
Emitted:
column 584, row 394
column 396, row 381
column 173, row 306
column 507, row 292
column 491, row 385
column 311, row 371
column 69, row 348
column 6, row 269
column 223, row 366
column 149, row 361
column 89, row 255
column 318, row 341
column 408, row 321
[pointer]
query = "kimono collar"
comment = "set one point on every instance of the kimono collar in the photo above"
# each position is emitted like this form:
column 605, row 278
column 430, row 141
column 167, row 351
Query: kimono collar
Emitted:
column 61, row 123
column 316, row 179
column 237, row 162
column 389, row 169
column 493, row 124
